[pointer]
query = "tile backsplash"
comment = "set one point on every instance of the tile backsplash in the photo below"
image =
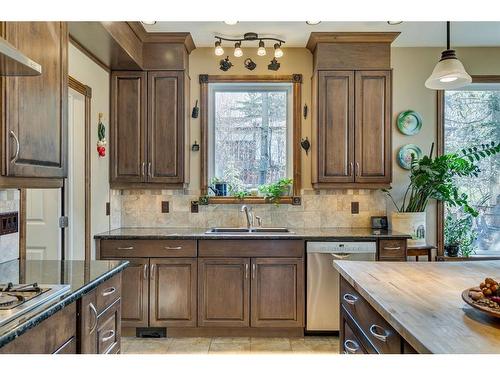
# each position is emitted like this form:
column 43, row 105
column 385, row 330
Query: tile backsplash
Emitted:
column 319, row 209
column 9, row 243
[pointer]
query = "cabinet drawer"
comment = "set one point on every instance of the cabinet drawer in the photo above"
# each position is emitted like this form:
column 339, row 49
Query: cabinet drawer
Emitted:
column 69, row 347
column 379, row 333
column 147, row 248
column 251, row 249
column 351, row 344
column 392, row 250
column 108, row 330
column 108, row 292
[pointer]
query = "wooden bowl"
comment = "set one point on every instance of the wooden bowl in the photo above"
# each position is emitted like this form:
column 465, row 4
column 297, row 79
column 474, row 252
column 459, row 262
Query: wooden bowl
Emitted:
column 492, row 312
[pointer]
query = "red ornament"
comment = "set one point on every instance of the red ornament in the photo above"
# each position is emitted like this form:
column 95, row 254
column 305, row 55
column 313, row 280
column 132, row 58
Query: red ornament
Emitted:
column 101, row 150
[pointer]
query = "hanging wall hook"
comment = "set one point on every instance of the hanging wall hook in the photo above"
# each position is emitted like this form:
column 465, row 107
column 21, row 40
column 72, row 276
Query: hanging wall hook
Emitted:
column 306, row 145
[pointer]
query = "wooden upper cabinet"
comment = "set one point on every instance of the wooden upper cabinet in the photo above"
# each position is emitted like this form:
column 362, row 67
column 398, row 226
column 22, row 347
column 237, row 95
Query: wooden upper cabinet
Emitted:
column 335, row 126
column 373, row 127
column 277, row 292
column 173, row 292
column 223, row 292
column 34, row 109
column 128, row 127
column 166, row 127
column 135, row 294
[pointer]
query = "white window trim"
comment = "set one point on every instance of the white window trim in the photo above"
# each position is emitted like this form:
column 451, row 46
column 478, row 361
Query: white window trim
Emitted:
column 241, row 87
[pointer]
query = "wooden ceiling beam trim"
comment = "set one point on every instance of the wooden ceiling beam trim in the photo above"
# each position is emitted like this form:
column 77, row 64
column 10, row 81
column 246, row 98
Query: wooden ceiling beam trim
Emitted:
column 349, row 37
column 163, row 37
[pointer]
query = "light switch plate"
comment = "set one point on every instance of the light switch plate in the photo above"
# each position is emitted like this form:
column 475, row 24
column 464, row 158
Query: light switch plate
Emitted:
column 164, row 207
column 354, row 207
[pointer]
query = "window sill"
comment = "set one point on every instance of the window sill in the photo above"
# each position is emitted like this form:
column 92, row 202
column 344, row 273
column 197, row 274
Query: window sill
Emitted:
column 295, row 200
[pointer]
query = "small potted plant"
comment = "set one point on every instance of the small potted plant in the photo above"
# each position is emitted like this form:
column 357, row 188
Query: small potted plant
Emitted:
column 459, row 236
column 273, row 192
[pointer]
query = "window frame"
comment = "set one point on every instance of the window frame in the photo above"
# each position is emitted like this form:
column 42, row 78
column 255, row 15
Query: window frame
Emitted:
column 440, row 151
column 296, row 114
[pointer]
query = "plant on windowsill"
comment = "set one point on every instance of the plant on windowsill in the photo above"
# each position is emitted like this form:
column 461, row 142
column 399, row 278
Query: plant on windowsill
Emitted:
column 434, row 178
column 459, row 236
column 273, row 192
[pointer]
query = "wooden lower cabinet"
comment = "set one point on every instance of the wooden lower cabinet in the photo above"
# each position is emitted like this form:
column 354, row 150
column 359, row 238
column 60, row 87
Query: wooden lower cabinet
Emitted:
column 277, row 292
column 173, row 292
column 109, row 329
column 135, row 293
column 223, row 292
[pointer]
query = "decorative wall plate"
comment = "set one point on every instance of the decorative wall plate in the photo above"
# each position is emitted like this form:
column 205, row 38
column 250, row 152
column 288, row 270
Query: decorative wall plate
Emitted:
column 405, row 153
column 409, row 122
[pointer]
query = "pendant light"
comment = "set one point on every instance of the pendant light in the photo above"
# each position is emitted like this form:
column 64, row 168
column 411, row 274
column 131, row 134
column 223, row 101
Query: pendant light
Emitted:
column 449, row 73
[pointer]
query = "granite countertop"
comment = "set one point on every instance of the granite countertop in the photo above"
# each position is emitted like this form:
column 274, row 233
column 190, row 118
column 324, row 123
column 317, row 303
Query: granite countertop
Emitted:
column 423, row 303
column 311, row 234
column 77, row 274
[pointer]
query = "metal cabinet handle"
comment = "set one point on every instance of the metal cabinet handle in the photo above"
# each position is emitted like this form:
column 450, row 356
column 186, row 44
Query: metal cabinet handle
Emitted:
column 125, row 248
column 341, row 256
column 18, row 147
column 108, row 291
column 152, row 271
column 350, row 168
column 149, row 169
column 351, row 347
column 350, row 299
column 94, row 311
column 357, row 168
column 145, row 272
column 108, row 335
column 246, row 271
column 173, row 247
column 143, row 169
column 380, row 336
column 253, row 271
column 393, row 248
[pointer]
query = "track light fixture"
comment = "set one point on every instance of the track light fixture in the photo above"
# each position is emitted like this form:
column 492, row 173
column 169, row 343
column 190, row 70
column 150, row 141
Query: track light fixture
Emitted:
column 225, row 64
column 274, row 65
column 249, row 37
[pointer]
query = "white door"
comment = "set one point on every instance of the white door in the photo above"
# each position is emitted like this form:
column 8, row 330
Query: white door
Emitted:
column 43, row 235
column 75, row 183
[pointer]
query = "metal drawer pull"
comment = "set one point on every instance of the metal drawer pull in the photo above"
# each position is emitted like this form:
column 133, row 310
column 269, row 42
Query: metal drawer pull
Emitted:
column 392, row 248
column 94, row 311
column 341, row 256
column 350, row 299
column 108, row 335
column 173, row 247
column 125, row 248
column 18, row 147
column 109, row 291
column 351, row 346
column 382, row 337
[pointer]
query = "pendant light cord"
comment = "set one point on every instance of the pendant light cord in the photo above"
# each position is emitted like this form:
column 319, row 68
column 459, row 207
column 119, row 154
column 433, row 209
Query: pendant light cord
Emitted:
column 448, row 34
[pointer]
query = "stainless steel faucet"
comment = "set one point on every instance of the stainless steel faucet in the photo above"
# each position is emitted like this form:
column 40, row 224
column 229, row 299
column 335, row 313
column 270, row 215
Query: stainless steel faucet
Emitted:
column 248, row 213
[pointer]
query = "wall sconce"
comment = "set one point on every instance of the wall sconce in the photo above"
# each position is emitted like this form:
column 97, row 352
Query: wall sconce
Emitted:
column 274, row 65
column 225, row 64
column 249, row 64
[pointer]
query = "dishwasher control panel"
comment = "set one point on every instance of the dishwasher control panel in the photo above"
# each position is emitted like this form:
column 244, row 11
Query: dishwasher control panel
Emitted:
column 342, row 247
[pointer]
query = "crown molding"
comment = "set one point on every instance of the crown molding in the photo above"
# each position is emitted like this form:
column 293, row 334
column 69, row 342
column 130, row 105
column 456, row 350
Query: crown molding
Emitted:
column 173, row 37
column 349, row 37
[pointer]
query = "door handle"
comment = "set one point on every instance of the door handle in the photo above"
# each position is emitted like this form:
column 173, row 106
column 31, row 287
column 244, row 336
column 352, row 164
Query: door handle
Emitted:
column 253, row 271
column 18, row 147
column 341, row 256
column 94, row 312
column 350, row 168
column 149, row 169
column 393, row 248
column 152, row 276
column 108, row 335
column 108, row 291
column 145, row 275
column 143, row 169
column 246, row 271
column 357, row 169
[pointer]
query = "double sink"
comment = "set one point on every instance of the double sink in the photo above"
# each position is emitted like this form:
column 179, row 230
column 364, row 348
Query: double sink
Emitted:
column 247, row 230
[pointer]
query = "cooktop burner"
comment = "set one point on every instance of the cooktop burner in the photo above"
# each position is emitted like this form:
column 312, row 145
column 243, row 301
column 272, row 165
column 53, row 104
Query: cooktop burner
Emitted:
column 17, row 299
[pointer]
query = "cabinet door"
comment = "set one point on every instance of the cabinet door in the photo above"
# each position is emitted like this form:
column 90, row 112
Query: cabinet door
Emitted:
column 166, row 127
column 87, row 323
column 277, row 292
column 373, row 127
column 173, row 292
column 335, row 126
column 223, row 292
column 35, row 108
column 128, row 127
column 135, row 294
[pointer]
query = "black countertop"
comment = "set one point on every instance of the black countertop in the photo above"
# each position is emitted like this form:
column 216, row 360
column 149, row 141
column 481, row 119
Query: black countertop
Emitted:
column 80, row 276
column 309, row 234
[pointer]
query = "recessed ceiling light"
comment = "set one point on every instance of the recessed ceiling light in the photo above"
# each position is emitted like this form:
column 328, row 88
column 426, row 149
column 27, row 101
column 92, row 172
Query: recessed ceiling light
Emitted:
column 394, row 22
column 313, row 22
column 148, row 22
column 231, row 22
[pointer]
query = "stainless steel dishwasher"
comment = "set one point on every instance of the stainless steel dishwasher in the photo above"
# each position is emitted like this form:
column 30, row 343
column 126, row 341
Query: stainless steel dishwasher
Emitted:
column 323, row 308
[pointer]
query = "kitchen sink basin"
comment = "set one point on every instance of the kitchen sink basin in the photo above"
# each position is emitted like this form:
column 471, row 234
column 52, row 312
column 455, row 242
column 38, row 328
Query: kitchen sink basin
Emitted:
column 248, row 230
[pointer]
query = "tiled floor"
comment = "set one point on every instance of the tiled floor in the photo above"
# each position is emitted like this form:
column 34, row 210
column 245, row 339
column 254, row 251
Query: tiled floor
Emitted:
column 231, row 345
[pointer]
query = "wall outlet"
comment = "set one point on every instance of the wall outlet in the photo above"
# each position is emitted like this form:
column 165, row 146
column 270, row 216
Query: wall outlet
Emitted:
column 164, row 207
column 354, row 207
column 9, row 223
column 194, row 207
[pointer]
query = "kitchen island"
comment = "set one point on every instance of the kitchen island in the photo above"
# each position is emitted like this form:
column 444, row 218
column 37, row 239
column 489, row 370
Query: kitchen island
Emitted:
column 66, row 315
column 415, row 307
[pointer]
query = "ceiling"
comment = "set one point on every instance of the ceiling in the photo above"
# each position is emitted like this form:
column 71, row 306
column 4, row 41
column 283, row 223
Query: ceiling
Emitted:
column 296, row 34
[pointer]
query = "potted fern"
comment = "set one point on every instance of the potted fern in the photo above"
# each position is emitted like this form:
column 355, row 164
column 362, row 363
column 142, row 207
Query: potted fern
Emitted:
column 434, row 178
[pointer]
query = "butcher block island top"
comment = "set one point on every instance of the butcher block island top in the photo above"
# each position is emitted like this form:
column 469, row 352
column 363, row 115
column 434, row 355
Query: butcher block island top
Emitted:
column 423, row 303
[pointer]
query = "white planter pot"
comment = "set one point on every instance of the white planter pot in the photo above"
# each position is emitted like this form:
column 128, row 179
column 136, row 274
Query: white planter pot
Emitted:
column 412, row 223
